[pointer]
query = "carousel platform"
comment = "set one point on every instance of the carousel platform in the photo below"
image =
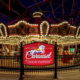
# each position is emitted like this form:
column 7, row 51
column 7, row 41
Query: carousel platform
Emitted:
column 69, row 75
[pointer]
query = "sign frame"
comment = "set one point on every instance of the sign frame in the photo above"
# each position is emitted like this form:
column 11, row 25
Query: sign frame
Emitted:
column 53, row 52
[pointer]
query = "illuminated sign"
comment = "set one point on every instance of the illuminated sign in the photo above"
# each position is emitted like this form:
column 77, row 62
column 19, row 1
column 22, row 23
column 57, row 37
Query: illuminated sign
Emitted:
column 38, row 54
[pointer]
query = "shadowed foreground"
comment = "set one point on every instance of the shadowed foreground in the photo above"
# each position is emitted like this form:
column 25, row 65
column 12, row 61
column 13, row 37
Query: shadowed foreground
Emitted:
column 69, row 75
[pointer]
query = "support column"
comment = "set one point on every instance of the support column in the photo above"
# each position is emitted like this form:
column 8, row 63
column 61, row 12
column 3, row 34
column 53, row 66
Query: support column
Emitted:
column 69, row 46
column 49, row 40
column 21, row 63
column 76, row 45
column 27, row 40
column 19, row 44
column 10, row 43
column 62, row 44
column 55, row 74
column 30, row 39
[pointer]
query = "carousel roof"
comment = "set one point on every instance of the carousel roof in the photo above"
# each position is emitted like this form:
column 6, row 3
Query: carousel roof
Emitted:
column 36, row 20
column 24, row 23
column 40, row 26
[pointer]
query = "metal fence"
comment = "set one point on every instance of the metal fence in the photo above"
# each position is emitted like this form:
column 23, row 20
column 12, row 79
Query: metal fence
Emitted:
column 68, row 62
column 62, row 62
column 12, row 64
column 9, row 64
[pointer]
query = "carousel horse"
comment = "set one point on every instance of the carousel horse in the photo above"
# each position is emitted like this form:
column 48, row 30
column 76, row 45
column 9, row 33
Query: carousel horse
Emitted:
column 5, row 51
column 39, row 50
column 66, row 58
column 12, row 52
column 16, row 54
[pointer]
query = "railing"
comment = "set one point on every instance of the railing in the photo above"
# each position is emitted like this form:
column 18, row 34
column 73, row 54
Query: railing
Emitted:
column 12, row 64
column 68, row 62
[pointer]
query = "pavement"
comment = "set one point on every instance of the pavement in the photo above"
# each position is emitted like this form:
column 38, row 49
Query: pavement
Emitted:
column 69, row 75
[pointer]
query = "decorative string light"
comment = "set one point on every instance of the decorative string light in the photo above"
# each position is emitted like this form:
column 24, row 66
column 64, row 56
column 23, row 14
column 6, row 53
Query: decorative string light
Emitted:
column 78, row 32
column 36, row 25
column 44, row 22
column 37, row 13
column 1, row 24
column 37, row 35
column 66, row 23
column 72, row 26
column 22, row 21
column 1, row 32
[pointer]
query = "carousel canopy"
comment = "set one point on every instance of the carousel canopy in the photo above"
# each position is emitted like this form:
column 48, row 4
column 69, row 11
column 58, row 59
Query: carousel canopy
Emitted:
column 36, row 20
column 27, row 24
column 38, row 25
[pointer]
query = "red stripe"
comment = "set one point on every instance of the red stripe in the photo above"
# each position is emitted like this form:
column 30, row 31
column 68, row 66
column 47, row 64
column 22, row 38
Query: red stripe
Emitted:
column 44, row 0
column 9, row 5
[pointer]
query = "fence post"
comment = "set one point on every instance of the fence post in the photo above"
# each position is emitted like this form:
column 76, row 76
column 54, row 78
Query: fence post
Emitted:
column 21, row 63
column 23, row 70
column 55, row 74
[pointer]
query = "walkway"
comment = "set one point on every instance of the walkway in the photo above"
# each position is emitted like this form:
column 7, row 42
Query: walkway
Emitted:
column 69, row 75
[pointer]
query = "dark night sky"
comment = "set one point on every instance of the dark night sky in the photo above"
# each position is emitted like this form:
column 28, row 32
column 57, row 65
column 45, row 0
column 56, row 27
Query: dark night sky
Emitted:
column 58, row 12
column 55, row 4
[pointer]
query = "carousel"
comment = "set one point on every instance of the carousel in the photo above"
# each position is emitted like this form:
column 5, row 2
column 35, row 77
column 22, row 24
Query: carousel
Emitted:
column 38, row 29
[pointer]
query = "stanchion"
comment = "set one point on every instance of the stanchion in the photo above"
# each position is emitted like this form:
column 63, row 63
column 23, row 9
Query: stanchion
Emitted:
column 23, row 70
column 55, row 74
column 21, row 64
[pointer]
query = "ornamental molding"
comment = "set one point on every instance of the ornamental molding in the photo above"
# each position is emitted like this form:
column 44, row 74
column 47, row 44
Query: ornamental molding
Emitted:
column 41, row 28
column 78, row 32
column 2, row 25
